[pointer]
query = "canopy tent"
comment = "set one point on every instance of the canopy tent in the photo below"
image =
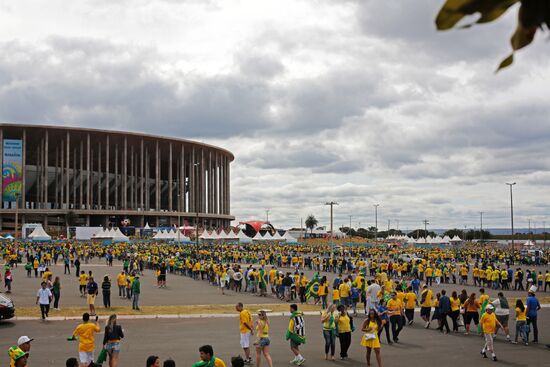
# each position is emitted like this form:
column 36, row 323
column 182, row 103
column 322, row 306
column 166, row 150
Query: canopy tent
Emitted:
column 258, row 237
column 147, row 226
column 9, row 237
column 118, row 236
column 529, row 243
column 456, row 239
column 277, row 236
column 268, row 236
column 288, row 237
column 39, row 235
column 242, row 237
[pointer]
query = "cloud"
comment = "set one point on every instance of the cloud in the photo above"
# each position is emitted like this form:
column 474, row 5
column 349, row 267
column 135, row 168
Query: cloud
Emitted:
column 357, row 102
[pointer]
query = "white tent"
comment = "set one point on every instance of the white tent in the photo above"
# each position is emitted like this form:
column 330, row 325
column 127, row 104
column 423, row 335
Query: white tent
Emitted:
column 118, row 236
column 288, row 237
column 147, row 226
column 8, row 237
column 232, row 235
column 268, row 236
column 529, row 244
column 159, row 236
column 243, row 237
column 456, row 239
column 277, row 236
column 446, row 239
column 258, row 237
column 39, row 235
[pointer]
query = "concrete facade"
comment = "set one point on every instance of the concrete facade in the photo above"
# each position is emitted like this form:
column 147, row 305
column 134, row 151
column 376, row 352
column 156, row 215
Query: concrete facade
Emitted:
column 100, row 177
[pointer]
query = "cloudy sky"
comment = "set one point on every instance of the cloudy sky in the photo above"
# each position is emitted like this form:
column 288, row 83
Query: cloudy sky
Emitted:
column 360, row 102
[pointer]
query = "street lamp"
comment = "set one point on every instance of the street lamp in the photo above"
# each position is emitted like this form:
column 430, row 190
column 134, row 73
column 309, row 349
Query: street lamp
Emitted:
column 376, row 222
column 332, row 203
column 267, row 215
column 512, row 215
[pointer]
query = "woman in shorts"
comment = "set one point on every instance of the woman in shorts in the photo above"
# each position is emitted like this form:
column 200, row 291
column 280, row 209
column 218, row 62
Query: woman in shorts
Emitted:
column 262, row 344
column 471, row 308
column 111, row 340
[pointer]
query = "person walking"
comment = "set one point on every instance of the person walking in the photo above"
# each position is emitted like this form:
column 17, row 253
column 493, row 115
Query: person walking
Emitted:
column 44, row 298
column 384, row 320
column 455, row 310
column 8, row 279
column 502, row 311
column 91, row 294
column 426, row 305
column 296, row 334
column 136, row 290
column 245, row 330
column 344, row 322
column 106, row 291
column 56, row 291
column 86, row 343
column 371, row 327
column 445, row 310
column 521, row 323
column 533, row 306
column 471, row 309
column 329, row 332
column 410, row 304
column 395, row 312
column 489, row 325
column 121, row 282
column 111, row 340
column 262, row 343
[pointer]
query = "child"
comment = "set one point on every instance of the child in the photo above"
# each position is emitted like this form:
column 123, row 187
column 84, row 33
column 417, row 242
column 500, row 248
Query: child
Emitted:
column 335, row 296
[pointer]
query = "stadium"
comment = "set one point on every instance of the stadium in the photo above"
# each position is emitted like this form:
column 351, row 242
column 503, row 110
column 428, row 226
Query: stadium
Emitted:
column 64, row 176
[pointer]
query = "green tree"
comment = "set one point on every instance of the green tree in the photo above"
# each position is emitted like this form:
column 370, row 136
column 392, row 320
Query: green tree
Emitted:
column 311, row 222
column 532, row 16
column 454, row 232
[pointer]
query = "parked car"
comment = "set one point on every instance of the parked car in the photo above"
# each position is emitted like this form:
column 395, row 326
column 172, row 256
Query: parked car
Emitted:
column 408, row 258
column 7, row 309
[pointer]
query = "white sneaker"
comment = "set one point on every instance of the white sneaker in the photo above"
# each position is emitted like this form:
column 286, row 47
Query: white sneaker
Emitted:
column 301, row 362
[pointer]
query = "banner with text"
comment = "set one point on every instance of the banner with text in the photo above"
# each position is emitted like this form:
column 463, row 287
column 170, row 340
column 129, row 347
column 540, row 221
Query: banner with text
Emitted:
column 12, row 169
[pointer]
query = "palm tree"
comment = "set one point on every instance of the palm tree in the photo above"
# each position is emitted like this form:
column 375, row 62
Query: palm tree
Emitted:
column 311, row 222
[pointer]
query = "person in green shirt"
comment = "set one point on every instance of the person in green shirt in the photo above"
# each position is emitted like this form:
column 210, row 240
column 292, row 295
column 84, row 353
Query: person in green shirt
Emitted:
column 136, row 289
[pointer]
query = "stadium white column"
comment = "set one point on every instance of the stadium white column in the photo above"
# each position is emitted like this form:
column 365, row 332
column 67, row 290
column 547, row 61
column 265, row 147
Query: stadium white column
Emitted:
column 24, row 171
column 88, row 186
column 108, row 175
column 157, row 177
column 67, row 178
column 170, row 178
column 125, row 175
column 46, row 169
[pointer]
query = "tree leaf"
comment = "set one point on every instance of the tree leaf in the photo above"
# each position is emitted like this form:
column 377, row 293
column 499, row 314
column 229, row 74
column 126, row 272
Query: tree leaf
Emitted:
column 454, row 11
column 506, row 62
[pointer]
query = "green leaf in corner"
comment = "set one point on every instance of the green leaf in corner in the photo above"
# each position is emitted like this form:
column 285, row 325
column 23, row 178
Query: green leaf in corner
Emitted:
column 453, row 11
column 506, row 62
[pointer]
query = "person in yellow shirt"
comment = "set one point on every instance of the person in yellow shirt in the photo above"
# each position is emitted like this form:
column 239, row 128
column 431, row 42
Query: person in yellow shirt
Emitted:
column 245, row 329
column 335, row 296
column 86, row 334
column 82, row 281
column 370, row 339
column 344, row 292
column 121, row 282
column 395, row 312
column 546, row 280
column 489, row 325
column 426, row 305
column 521, row 322
column 323, row 292
column 206, row 353
column 483, row 298
column 455, row 310
column 344, row 322
column 410, row 303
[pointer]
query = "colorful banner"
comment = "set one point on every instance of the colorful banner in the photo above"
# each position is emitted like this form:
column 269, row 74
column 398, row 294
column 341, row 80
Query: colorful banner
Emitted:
column 12, row 169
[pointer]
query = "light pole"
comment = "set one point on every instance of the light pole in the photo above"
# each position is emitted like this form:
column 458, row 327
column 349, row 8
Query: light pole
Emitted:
column 512, row 215
column 425, row 221
column 349, row 229
column 17, row 214
column 197, row 211
column 376, row 222
column 481, row 227
column 267, row 215
column 332, row 203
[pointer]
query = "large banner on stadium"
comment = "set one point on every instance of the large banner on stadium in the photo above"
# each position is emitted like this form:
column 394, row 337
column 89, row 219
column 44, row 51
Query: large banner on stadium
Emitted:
column 12, row 169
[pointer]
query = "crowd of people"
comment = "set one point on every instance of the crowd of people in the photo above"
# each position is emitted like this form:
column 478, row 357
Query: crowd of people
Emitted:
column 375, row 281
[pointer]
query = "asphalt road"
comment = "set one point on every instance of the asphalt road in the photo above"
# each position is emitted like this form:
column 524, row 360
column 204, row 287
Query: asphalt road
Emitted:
column 180, row 339
column 180, row 290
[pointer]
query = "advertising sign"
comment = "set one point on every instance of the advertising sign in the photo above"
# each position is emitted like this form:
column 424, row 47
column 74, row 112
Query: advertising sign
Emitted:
column 12, row 169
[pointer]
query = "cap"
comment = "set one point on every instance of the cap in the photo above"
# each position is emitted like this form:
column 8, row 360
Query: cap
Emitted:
column 533, row 289
column 16, row 353
column 490, row 307
column 24, row 339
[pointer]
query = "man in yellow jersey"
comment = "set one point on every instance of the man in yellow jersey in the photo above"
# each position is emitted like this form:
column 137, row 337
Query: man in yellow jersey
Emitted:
column 410, row 303
column 245, row 329
column 395, row 311
column 489, row 324
column 86, row 334
column 426, row 305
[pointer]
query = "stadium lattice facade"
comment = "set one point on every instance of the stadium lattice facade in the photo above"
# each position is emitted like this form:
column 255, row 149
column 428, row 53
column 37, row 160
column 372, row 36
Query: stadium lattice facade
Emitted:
column 61, row 176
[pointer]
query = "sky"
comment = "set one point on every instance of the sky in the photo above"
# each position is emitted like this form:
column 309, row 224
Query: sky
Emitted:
column 361, row 102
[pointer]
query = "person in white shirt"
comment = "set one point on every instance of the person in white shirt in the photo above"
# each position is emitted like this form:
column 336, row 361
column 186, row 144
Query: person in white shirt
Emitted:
column 372, row 295
column 44, row 298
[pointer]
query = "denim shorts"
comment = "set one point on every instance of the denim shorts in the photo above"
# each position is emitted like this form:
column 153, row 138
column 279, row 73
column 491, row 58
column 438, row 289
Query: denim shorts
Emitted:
column 112, row 347
column 264, row 342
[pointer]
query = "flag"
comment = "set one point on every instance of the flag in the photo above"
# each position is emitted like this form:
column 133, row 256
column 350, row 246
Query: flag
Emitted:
column 312, row 289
